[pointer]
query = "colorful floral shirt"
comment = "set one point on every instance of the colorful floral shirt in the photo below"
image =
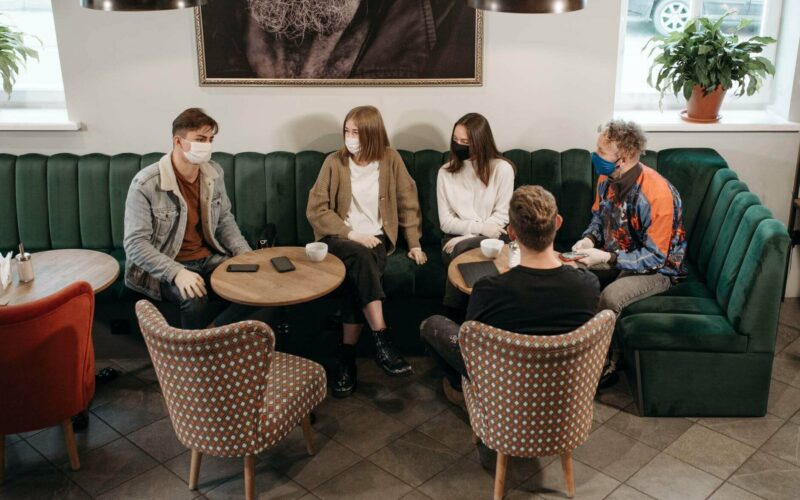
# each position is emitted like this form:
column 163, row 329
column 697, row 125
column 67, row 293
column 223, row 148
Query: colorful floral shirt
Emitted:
column 645, row 229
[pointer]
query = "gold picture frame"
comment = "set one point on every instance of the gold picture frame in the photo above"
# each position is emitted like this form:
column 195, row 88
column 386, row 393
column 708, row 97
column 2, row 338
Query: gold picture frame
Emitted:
column 207, row 80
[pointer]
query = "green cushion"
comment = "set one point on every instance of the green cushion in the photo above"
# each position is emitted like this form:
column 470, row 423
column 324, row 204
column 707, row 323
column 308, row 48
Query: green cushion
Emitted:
column 32, row 214
column 426, row 168
column 714, row 225
column 307, row 167
column 94, row 203
column 756, row 297
column 576, row 195
column 695, row 239
column 279, row 174
column 688, row 289
column 672, row 304
column 122, row 169
column 8, row 202
column 725, row 239
column 690, row 170
column 679, row 332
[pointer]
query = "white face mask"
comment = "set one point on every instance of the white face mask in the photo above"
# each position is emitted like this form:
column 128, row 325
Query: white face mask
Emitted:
column 200, row 152
column 353, row 145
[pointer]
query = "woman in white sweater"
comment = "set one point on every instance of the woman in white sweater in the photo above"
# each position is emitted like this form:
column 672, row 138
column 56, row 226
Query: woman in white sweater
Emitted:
column 473, row 191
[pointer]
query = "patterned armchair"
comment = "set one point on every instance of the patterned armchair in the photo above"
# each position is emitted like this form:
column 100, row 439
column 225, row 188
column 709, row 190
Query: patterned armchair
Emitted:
column 229, row 394
column 531, row 395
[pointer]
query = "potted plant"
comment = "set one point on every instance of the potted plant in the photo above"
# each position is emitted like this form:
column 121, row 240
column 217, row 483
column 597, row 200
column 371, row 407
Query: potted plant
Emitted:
column 13, row 55
column 702, row 62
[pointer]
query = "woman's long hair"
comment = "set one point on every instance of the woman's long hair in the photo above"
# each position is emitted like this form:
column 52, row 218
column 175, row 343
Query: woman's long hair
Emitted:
column 371, row 134
column 482, row 147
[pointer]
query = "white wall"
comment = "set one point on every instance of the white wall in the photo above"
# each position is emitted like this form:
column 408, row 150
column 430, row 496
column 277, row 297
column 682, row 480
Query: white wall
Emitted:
column 549, row 81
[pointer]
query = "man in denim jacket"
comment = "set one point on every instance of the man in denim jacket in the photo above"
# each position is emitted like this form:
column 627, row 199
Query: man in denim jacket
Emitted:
column 179, row 226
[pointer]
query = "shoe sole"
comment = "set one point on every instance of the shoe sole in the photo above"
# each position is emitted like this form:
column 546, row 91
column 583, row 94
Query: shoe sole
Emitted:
column 403, row 373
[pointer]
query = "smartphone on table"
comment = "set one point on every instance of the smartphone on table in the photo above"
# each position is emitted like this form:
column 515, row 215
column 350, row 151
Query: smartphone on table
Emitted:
column 282, row 264
column 242, row 268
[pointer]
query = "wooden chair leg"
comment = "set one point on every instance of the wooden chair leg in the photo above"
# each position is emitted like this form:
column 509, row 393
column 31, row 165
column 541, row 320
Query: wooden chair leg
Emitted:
column 569, row 477
column 2, row 457
column 309, row 435
column 500, row 476
column 72, row 447
column 249, row 477
column 194, row 469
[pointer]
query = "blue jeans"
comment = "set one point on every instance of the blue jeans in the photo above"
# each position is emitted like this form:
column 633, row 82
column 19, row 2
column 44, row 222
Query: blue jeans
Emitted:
column 198, row 312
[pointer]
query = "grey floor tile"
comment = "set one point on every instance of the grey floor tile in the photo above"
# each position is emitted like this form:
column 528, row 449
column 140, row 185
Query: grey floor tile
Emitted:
column 768, row 477
column 133, row 411
column 130, row 366
column 332, row 414
column 368, row 430
column 22, row 461
column 269, row 483
column 790, row 311
column 625, row 492
column 604, row 412
column 373, row 382
column 656, row 432
column 710, row 451
column 614, row 453
column 785, row 336
column 50, row 443
column 796, row 418
column 122, row 387
column 155, row 483
column 414, row 458
column 668, row 478
column 518, row 470
column 363, row 481
column 214, row 471
column 107, row 467
column 786, row 368
column 752, row 431
column 158, row 440
column 451, row 428
column 45, row 484
column 465, row 480
column 412, row 404
column 785, row 444
column 416, row 495
column 291, row 458
column 589, row 483
column 619, row 396
column 784, row 400
column 792, row 348
column 730, row 492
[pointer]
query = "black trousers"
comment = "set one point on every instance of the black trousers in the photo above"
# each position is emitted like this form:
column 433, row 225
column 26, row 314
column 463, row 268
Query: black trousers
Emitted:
column 453, row 297
column 440, row 335
column 364, row 275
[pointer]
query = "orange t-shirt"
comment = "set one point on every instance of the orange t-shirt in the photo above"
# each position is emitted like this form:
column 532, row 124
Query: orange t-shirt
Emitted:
column 194, row 245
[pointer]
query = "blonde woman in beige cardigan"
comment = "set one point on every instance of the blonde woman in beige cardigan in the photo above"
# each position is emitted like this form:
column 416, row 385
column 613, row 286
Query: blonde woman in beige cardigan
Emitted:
column 363, row 196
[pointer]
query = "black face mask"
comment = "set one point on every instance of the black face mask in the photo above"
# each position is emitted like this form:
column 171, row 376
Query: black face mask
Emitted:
column 461, row 151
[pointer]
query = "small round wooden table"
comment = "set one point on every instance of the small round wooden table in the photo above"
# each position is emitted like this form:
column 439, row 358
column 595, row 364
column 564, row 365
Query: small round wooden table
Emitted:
column 474, row 255
column 269, row 288
column 55, row 269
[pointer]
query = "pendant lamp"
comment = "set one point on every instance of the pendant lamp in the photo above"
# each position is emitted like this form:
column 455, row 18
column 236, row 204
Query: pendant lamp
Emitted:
column 133, row 5
column 528, row 6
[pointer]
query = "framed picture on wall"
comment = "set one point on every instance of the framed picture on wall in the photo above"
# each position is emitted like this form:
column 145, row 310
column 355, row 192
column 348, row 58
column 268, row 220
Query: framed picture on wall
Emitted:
column 339, row 42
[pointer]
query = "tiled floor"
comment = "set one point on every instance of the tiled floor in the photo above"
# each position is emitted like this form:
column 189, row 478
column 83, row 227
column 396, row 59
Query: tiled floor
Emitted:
column 399, row 438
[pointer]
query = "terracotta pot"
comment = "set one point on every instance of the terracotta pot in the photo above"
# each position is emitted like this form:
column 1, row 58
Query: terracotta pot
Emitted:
column 705, row 108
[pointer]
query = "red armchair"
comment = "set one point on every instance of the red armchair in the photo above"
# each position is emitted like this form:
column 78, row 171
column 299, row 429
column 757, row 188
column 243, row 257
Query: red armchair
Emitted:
column 46, row 364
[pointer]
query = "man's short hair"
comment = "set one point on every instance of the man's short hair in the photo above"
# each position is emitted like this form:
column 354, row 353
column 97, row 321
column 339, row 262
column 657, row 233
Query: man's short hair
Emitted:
column 193, row 119
column 628, row 136
column 532, row 214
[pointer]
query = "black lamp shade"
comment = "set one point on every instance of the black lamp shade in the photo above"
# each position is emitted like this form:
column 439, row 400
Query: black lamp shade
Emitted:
column 133, row 5
column 528, row 6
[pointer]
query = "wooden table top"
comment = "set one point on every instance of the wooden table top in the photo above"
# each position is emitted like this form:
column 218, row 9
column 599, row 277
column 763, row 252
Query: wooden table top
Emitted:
column 55, row 269
column 269, row 288
column 474, row 255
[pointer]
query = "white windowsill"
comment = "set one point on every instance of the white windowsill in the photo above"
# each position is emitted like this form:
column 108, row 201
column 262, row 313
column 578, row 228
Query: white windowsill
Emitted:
column 732, row 121
column 32, row 119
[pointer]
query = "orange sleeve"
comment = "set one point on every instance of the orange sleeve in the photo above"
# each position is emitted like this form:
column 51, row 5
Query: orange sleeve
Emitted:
column 659, row 197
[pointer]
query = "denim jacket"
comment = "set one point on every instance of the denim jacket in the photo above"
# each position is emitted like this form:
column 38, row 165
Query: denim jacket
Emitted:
column 155, row 222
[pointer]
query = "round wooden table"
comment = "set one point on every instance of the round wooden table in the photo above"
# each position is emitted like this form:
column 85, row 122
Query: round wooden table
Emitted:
column 474, row 255
column 55, row 269
column 269, row 288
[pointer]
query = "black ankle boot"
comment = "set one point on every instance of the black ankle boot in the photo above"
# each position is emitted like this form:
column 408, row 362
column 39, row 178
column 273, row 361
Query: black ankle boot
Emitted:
column 344, row 381
column 387, row 356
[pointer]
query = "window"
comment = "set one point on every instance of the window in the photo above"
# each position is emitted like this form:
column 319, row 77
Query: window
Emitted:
column 39, row 84
column 646, row 18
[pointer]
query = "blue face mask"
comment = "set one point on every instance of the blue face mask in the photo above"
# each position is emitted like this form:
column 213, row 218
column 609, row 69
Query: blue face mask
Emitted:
column 603, row 166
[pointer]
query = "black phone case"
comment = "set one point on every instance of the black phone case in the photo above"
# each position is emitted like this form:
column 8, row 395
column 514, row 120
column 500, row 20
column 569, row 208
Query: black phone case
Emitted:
column 242, row 268
column 282, row 264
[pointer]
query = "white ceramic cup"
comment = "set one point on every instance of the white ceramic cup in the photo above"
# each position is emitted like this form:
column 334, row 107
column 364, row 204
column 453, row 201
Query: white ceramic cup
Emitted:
column 491, row 248
column 317, row 251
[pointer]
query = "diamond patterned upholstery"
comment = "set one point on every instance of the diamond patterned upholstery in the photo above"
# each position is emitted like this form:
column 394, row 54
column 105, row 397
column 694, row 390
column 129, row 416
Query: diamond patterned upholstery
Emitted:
column 531, row 395
column 228, row 392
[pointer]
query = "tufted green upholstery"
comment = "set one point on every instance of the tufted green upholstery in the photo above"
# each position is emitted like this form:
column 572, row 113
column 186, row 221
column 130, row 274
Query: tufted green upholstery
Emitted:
column 702, row 348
